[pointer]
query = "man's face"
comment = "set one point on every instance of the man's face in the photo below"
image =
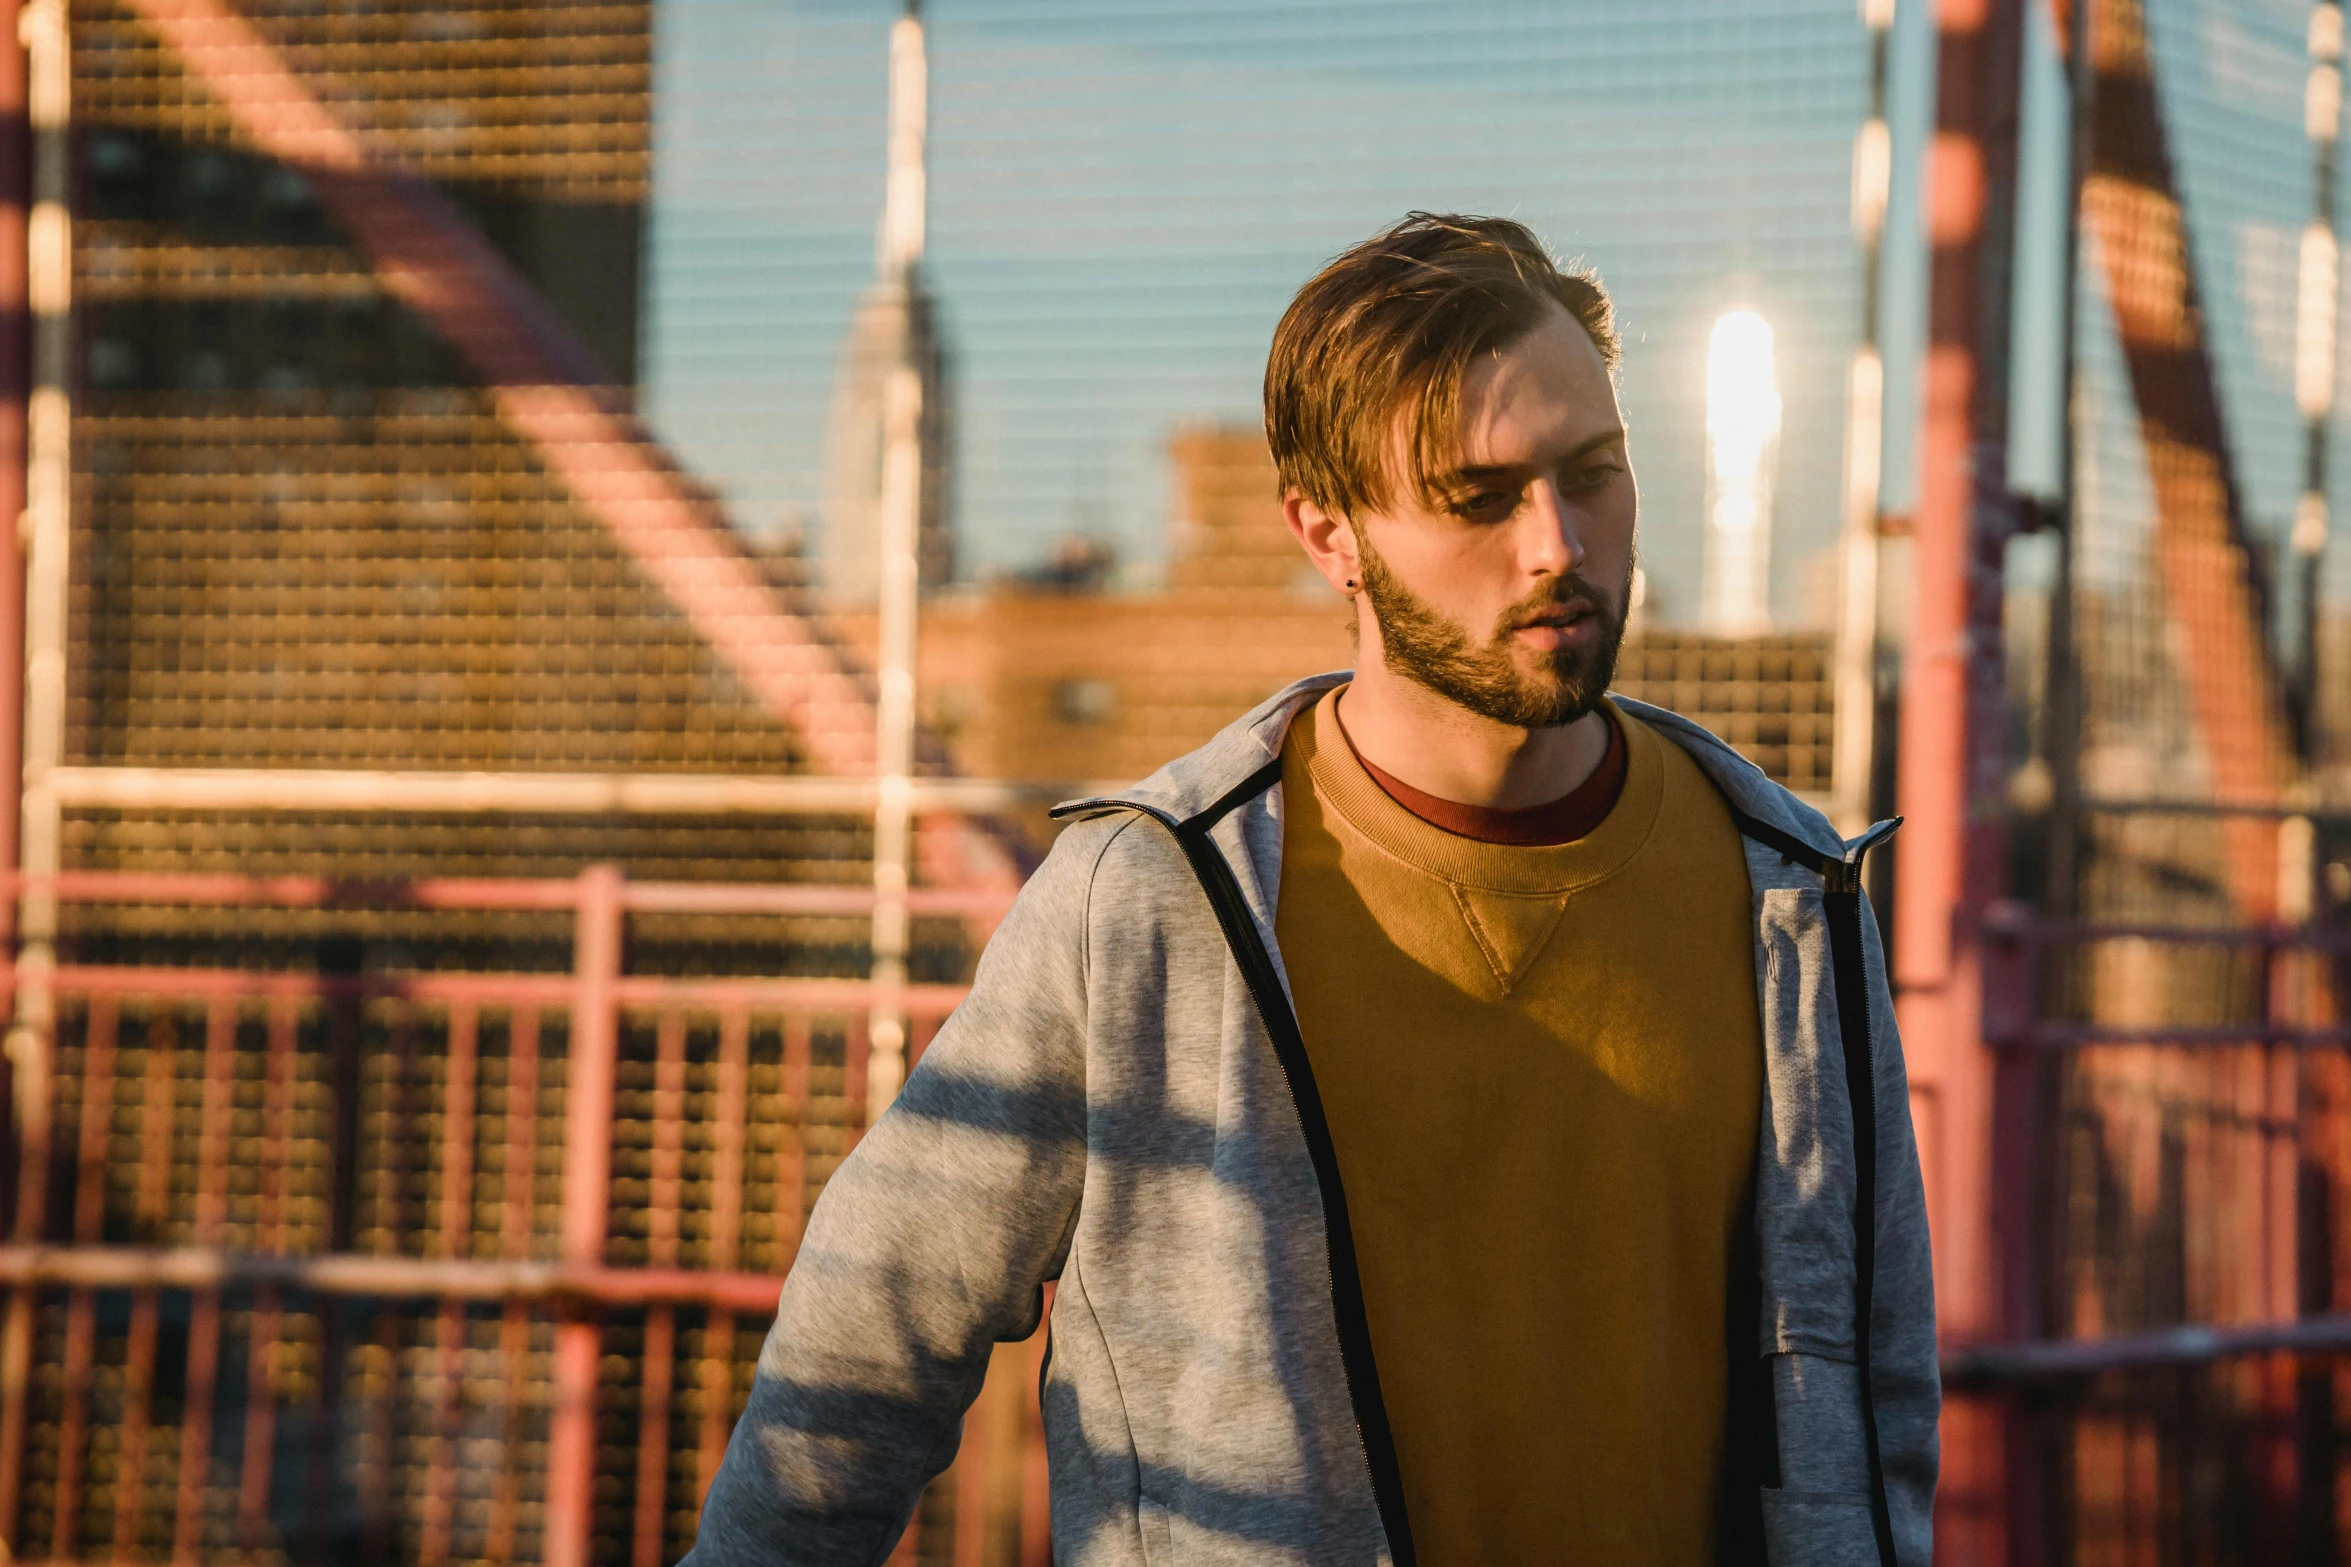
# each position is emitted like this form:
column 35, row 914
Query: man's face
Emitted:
column 1505, row 590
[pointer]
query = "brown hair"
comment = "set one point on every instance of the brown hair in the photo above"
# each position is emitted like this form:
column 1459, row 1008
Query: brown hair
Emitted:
column 1391, row 326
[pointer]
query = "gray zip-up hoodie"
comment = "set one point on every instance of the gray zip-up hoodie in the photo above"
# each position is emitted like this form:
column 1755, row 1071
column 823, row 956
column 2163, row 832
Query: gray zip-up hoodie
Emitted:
column 1123, row 1103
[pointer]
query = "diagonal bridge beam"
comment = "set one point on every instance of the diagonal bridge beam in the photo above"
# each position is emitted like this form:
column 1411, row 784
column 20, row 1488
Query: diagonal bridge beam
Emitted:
column 549, row 389
column 2204, row 552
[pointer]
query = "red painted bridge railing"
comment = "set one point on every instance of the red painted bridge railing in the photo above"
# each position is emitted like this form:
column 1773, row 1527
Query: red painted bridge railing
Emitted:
column 430, row 1264
column 2172, row 1206
column 433, row 1265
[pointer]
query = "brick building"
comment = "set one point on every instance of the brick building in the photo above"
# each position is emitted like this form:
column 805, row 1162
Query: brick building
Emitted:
column 1026, row 681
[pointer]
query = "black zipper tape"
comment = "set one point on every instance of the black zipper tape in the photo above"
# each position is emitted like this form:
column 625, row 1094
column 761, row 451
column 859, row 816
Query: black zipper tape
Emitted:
column 1844, row 911
column 1841, row 902
column 1281, row 1024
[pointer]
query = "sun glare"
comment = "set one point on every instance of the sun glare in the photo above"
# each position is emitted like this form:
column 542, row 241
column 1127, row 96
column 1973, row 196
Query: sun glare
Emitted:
column 1742, row 443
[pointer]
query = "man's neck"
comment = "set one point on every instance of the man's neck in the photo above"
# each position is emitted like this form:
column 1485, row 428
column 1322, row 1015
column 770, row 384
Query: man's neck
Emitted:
column 1442, row 748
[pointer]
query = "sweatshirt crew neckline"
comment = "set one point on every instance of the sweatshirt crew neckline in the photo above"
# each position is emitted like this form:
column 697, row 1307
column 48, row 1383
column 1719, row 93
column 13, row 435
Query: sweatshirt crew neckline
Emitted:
column 1464, row 861
column 1573, row 815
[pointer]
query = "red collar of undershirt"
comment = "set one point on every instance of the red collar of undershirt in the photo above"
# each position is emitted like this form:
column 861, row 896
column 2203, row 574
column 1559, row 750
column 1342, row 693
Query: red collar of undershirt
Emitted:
column 1564, row 820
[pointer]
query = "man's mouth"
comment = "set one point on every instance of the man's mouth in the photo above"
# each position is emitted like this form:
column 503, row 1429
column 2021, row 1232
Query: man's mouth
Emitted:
column 1557, row 630
column 1556, row 618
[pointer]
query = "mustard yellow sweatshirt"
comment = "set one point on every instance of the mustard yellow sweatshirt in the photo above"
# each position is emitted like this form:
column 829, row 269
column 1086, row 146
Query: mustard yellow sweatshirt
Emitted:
column 1542, row 1068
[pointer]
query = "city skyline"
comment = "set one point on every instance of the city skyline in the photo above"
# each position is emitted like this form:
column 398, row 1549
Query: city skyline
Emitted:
column 1121, row 205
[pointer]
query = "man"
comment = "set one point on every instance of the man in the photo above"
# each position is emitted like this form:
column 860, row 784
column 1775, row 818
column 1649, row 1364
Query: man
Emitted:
column 1437, row 1096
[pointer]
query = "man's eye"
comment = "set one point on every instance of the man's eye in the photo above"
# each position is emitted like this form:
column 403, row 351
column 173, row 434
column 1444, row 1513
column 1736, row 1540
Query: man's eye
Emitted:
column 1592, row 476
column 1482, row 503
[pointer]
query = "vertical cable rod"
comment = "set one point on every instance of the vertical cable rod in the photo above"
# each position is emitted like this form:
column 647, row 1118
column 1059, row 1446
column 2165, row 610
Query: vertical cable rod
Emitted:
column 1854, row 764
column 2319, row 285
column 900, row 579
column 44, row 529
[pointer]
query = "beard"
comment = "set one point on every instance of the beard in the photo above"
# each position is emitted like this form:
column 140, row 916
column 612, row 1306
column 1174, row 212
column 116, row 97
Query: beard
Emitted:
column 1424, row 647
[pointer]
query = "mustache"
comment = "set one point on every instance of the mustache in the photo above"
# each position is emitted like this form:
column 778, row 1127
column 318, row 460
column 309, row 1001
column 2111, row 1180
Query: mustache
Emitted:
column 1572, row 592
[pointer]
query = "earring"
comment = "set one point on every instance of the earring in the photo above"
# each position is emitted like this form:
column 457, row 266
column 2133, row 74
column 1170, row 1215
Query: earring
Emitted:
column 1350, row 582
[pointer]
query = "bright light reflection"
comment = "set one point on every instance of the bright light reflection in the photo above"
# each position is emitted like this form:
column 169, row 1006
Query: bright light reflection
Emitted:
column 1742, row 396
column 1742, row 442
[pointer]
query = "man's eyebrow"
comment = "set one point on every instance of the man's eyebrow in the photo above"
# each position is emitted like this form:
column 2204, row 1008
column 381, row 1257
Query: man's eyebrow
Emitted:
column 1472, row 473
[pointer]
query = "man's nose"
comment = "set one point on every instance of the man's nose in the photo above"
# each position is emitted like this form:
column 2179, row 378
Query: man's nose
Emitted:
column 1549, row 542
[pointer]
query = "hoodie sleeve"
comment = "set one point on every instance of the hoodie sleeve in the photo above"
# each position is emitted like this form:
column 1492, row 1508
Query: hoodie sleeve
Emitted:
column 1906, row 1381
column 929, row 1245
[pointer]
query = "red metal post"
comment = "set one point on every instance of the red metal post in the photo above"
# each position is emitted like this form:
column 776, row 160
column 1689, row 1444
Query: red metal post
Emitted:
column 657, row 1382
column 857, row 1054
column 81, row 1324
column 201, row 1384
column 981, row 1425
column 16, row 379
column 257, row 1460
column 73, row 1428
column 659, row 1364
column 1036, row 1490
column 522, row 1141
column 729, row 1122
column 908, row 1551
column 24, row 1163
column 792, row 1144
column 587, row 1171
column 138, row 1381
column 457, row 1160
column 158, row 1110
column 212, row 1215
column 1951, row 756
column 256, row 1463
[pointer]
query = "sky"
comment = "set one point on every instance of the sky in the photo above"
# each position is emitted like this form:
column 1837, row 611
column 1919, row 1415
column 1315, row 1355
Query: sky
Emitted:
column 1123, row 198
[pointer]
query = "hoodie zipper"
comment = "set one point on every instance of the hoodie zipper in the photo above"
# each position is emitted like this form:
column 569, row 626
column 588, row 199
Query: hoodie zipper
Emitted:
column 1840, row 896
column 1841, row 902
column 1362, row 1379
column 1373, row 1443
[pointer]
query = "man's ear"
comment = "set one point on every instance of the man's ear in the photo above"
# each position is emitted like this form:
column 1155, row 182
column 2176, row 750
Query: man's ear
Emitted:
column 1328, row 539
